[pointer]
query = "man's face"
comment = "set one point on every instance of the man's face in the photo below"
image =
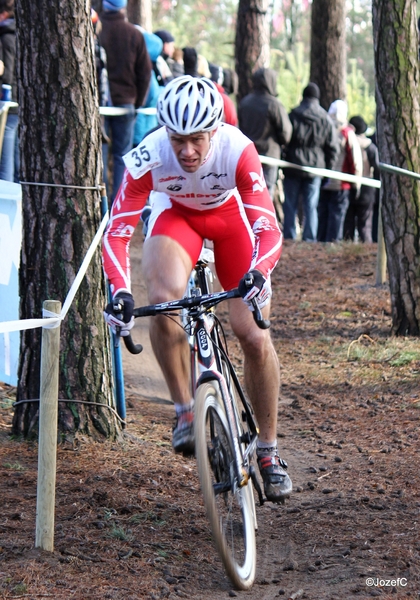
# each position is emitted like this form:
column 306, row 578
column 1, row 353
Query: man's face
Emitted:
column 191, row 150
column 169, row 48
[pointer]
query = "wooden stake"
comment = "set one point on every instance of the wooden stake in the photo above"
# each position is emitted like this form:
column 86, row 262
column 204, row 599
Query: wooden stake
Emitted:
column 48, row 421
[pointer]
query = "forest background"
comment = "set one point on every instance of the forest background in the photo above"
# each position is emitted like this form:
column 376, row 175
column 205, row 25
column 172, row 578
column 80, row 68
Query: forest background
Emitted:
column 210, row 28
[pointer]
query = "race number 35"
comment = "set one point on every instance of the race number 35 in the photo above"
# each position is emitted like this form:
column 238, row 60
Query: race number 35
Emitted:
column 139, row 155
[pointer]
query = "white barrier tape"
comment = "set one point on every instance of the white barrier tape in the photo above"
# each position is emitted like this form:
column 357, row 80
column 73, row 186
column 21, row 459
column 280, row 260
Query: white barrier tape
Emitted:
column 84, row 266
column 59, row 185
column 108, row 111
column 9, row 326
column 7, row 105
column 116, row 111
column 283, row 164
column 48, row 314
column 398, row 171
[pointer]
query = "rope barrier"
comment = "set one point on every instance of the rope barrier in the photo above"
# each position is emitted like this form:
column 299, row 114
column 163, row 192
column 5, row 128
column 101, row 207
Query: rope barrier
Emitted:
column 69, row 400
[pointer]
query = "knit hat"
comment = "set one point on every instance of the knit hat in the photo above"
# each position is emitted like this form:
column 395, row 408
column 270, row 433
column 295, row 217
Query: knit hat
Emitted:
column 190, row 61
column 338, row 112
column 113, row 5
column 359, row 124
column 216, row 73
column 311, row 91
column 164, row 35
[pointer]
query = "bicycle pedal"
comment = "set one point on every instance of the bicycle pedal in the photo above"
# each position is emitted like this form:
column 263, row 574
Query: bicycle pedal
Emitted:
column 282, row 501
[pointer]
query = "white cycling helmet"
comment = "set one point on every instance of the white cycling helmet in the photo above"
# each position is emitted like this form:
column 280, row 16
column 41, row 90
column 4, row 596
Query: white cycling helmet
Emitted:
column 190, row 104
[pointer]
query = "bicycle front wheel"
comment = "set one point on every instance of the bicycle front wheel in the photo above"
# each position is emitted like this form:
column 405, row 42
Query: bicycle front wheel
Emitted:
column 228, row 506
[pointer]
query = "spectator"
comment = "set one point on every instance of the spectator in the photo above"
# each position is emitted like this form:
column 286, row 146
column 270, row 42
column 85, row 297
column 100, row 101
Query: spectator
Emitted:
column 264, row 120
column 229, row 108
column 164, row 64
column 360, row 211
column 334, row 195
column 314, row 143
column 230, row 82
column 203, row 66
column 178, row 66
column 190, row 61
column 101, row 71
column 375, row 219
column 9, row 165
column 147, row 122
column 129, row 72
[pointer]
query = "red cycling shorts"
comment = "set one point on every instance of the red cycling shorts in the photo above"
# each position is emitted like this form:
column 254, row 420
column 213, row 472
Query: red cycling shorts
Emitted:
column 226, row 226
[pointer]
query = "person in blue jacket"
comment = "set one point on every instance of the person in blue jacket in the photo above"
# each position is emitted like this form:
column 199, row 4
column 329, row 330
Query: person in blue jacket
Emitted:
column 145, row 122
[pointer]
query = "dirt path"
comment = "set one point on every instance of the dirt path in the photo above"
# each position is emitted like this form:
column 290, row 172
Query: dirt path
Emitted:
column 130, row 523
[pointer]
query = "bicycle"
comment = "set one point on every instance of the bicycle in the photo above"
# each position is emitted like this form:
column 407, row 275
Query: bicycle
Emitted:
column 225, row 429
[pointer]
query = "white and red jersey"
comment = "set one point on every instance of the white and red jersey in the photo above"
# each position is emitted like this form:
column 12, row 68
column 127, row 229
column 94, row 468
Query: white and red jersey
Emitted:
column 226, row 194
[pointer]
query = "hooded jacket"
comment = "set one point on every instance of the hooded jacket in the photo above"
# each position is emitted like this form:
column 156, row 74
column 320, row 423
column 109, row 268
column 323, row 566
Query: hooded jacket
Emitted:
column 314, row 140
column 262, row 117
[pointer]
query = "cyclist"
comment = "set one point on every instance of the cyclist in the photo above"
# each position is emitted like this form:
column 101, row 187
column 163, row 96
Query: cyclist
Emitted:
column 207, row 183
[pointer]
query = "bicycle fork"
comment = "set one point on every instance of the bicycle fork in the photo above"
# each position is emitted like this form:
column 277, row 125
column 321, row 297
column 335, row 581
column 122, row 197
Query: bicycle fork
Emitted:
column 208, row 367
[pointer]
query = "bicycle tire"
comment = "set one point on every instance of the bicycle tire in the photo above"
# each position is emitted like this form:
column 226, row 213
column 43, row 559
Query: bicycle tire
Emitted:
column 229, row 511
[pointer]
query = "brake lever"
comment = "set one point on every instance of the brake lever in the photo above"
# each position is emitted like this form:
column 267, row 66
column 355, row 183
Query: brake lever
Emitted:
column 118, row 309
column 256, row 311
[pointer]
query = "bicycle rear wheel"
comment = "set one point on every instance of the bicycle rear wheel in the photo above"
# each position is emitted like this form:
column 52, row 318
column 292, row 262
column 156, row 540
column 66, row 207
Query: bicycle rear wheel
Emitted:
column 229, row 508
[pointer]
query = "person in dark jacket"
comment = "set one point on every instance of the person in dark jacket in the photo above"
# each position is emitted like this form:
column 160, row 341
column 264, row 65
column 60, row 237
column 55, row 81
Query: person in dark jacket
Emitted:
column 164, row 65
column 129, row 72
column 9, row 165
column 314, row 143
column 359, row 214
column 263, row 118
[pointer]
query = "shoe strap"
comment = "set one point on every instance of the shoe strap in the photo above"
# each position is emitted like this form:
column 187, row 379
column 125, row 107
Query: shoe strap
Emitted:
column 272, row 461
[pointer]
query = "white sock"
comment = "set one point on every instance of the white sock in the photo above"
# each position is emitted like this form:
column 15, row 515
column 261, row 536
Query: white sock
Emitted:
column 182, row 408
column 266, row 447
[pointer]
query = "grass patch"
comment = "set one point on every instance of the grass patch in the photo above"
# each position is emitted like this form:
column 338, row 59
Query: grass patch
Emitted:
column 119, row 533
column 14, row 466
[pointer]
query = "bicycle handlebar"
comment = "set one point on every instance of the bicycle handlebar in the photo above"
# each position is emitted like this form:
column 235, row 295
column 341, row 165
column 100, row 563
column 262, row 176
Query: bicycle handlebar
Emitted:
column 206, row 300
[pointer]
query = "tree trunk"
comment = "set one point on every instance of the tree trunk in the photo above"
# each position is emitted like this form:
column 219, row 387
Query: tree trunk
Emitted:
column 252, row 45
column 60, row 144
column 398, row 131
column 328, row 49
column 139, row 12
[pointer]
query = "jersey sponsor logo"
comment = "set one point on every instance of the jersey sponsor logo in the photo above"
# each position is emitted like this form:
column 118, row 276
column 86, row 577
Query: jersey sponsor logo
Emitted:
column 261, row 224
column 172, row 178
column 217, row 175
column 123, row 230
column 192, row 195
column 258, row 181
column 174, row 188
